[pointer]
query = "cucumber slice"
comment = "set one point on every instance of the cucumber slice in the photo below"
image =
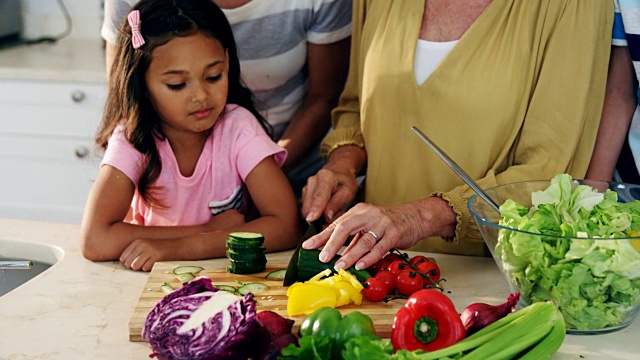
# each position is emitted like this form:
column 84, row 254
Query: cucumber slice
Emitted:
column 227, row 288
column 185, row 277
column 245, row 255
column 254, row 288
column 166, row 288
column 187, row 269
column 246, row 236
column 246, row 267
column 276, row 274
column 244, row 245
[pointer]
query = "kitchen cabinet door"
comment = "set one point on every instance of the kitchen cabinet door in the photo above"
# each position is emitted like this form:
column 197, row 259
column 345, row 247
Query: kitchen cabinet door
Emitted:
column 48, row 159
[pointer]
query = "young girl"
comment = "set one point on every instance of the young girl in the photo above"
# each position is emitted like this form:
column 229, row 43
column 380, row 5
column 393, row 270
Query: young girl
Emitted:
column 186, row 151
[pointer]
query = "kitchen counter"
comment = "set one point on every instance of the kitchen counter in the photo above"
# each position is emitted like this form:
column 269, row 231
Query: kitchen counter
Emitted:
column 69, row 59
column 80, row 310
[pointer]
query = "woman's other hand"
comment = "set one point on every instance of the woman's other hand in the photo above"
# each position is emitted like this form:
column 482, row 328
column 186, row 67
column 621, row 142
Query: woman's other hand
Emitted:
column 334, row 186
column 377, row 230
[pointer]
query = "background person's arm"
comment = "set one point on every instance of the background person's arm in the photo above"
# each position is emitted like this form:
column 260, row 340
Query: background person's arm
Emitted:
column 327, row 65
column 619, row 104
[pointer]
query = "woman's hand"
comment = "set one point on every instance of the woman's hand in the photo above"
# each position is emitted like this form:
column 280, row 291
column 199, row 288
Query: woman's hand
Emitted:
column 377, row 230
column 334, row 186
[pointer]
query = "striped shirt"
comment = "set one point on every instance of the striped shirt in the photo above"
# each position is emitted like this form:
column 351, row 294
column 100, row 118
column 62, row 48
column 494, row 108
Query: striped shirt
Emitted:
column 272, row 38
column 626, row 32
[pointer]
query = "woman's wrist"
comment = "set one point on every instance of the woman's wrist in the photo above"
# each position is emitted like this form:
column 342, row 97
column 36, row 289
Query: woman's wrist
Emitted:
column 437, row 217
column 349, row 159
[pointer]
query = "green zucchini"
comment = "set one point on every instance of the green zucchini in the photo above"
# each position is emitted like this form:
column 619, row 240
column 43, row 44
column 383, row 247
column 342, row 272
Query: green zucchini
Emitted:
column 187, row 269
column 227, row 288
column 276, row 274
column 245, row 255
column 247, row 237
column 309, row 265
column 243, row 245
column 254, row 288
column 246, row 267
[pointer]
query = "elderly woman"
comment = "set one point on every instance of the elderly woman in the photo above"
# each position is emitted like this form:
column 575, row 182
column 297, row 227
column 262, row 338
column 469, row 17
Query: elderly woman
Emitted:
column 512, row 90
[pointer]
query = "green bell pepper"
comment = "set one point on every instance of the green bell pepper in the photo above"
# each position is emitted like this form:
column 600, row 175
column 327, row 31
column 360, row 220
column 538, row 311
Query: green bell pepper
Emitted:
column 328, row 322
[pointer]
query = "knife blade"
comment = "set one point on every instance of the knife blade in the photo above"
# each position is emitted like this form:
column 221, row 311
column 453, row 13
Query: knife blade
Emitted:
column 291, row 275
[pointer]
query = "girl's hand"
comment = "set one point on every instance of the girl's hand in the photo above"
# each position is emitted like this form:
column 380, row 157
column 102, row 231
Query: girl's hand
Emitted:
column 141, row 254
column 394, row 227
column 225, row 220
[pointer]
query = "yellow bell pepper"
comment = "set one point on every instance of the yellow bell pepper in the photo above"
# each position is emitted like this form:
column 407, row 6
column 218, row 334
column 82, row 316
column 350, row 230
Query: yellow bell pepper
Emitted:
column 305, row 298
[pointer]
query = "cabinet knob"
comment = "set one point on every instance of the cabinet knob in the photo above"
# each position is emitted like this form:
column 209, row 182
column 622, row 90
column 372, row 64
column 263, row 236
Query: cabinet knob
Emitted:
column 82, row 152
column 78, row 96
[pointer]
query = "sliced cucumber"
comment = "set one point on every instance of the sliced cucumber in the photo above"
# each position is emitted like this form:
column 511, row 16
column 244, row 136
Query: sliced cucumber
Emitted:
column 187, row 269
column 254, row 288
column 166, row 288
column 244, row 245
column 245, row 255
column 246, row 236
column 246, row 267
column 185, row 277
column 276, row 274
column 227, row 288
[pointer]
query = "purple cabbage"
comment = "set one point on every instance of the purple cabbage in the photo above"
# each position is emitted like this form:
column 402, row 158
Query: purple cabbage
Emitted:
column 225, row 334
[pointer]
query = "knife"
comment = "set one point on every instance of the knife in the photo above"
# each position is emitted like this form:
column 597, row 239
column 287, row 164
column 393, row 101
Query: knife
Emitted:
column 291, row 275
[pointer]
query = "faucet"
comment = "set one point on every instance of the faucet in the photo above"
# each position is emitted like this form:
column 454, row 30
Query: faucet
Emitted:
column 15, row 264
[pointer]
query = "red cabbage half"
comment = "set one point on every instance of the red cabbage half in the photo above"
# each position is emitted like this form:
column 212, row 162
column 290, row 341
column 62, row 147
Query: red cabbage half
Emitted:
column 199, row 322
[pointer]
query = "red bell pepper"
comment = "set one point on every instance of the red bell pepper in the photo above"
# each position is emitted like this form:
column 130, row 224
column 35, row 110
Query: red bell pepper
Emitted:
column 428, row 321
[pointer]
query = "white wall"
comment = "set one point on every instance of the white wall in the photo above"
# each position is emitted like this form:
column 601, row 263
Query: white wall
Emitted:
column 45, row 18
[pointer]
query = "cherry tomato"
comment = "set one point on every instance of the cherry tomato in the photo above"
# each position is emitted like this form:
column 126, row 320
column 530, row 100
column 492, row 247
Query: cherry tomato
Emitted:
column 382, row 264
column 418, row 259
column 374, row 289
column 392, row 257
column 388, row 279
column 397, row 266
column 408, row 282
column 431, row 270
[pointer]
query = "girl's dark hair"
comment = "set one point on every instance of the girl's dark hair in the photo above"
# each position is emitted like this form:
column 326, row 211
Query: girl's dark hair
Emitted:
column 127, row 101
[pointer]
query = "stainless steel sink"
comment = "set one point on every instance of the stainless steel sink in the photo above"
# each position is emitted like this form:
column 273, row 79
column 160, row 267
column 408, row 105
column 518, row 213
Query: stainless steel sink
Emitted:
column 42, row 257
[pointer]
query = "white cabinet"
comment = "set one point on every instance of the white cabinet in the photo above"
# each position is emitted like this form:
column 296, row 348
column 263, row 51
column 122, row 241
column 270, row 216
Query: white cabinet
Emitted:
column 48, row 159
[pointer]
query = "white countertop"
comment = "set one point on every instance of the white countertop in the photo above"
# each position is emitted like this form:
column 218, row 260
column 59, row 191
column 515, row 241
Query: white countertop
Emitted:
column 66, row 60
column 80, row 310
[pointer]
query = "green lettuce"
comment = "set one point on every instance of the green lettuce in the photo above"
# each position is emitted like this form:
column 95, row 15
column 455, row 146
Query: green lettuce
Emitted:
column 595, row 282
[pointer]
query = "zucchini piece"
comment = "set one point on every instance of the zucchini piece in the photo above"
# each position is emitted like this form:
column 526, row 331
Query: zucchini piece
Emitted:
column 248, row 237
column 185, row 277
column 276, row 274
column 187, row 269
column 166, row 288
column 246, row 267
column 309, row 265
column 244, row 245
column 245, row 255
column 227, row 288
column 254, row 288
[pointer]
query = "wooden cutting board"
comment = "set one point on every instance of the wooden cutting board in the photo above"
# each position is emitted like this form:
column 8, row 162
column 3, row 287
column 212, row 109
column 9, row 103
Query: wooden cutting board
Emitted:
column 275, row 299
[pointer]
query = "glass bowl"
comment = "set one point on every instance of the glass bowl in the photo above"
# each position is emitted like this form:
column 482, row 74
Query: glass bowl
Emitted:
column 594, row 282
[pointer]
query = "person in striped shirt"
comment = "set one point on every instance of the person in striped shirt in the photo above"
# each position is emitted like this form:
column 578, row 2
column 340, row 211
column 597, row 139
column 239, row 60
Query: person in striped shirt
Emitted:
column 617, row 151
column 294, row 56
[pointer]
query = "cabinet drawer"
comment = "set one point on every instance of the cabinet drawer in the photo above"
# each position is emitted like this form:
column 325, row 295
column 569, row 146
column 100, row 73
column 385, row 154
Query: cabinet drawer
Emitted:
column 47, row 152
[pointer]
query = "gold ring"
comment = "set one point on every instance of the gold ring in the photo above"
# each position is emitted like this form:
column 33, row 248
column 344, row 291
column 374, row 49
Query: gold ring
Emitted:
column 375, row 236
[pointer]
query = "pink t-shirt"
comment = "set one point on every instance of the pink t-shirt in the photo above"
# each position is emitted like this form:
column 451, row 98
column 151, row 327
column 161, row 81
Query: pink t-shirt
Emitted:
column 236, row 145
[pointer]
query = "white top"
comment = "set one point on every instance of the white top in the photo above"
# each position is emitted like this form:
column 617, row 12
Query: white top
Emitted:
column 429, row 54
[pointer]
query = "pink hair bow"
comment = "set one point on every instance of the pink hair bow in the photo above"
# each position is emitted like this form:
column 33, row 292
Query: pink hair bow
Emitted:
column 134, row 22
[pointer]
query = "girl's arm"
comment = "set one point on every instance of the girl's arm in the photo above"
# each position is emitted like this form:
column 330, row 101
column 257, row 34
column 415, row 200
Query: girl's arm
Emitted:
column 278, row 221
column 105, row 235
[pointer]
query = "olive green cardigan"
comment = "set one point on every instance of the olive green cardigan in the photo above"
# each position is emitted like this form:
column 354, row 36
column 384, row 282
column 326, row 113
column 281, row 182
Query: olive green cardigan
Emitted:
column 518, row 98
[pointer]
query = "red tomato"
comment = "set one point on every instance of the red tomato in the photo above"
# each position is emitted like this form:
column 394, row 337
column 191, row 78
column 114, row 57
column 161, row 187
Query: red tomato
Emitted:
column 408, row 282
column 392, row 257
column 431, row 270
column 382, row 264
column 418, row 259
column 397, row 266
column 388, row 279
column 374, row 289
